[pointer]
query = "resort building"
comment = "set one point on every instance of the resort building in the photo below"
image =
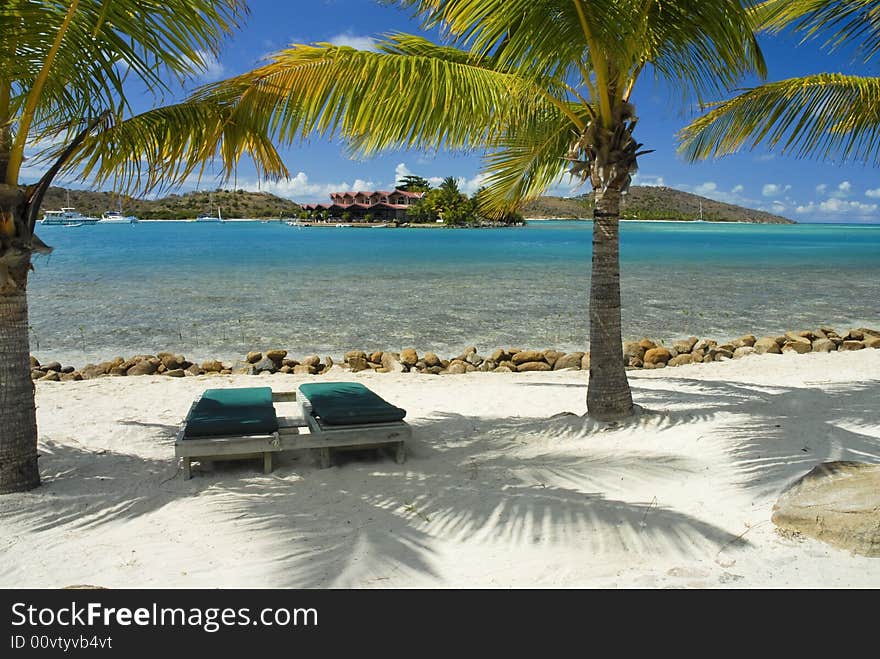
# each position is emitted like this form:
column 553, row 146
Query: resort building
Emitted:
column 380, row 205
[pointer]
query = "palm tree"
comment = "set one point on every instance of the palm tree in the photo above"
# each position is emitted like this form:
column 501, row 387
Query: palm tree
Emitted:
column 540, row 84
column 826, row 115
column 65, row 68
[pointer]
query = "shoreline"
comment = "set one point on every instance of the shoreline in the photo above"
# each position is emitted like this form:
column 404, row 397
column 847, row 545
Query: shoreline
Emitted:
column 503, row 472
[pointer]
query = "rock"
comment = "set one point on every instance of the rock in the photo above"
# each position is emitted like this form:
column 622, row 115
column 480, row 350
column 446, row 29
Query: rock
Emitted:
column 767, row 344
column 212, row 366
column 226, row 371
column 502, row 369
column 355, row 354
column 242, row 368
column 746, row 341
column 36, row 374
column 869, row 332
column 635, row 362
column 705, row 345
column 681, row 360
column 500, row 356
column 824, row 345
column 728, row 347
column 837, row 503
column 799, row 345
column 143, row 367
column 509, row 364
column 794, row 336
column 161, row 368
column 67, row 369
column 632, row 350
column 305, row 369
column 524, row 356
column 851, row 335
column 171, row 361
column 312, row 360
column 871, row 341
column 391, row 364
column 70, row 377
column 474, row 359
column 533, row 366
column 721, row 353
column 457, row 366
column 51, row 366
column 431, row 359
column 486, row 366
column 376, row 357
column 550, row 356
column 289, row 362
column 743, row 351
column 193, row 369
column 175, row 373
column 117, row 371
column 513, row 351
column 277, row 356
column 355, row 363
column 657, row 356
column 51, row 376
column 253, row 357
column 585, row 362
column 647, row 344
column 409, row 357
column 265, row 365
column 328, row 363
column 286, row 369
column 851, row 345
column 434, row 370
column 684, row 346
column 35, row 363
column 571, row 360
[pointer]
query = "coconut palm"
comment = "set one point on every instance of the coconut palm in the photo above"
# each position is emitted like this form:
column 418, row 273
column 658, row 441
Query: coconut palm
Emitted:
column 67, row 71
column 541, row 85
column 826, row 115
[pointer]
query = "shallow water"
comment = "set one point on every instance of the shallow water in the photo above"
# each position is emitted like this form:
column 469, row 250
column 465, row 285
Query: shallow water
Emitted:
column 219, row 290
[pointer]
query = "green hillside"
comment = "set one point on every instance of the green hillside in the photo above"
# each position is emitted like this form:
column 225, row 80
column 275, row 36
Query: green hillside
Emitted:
column 652, row 203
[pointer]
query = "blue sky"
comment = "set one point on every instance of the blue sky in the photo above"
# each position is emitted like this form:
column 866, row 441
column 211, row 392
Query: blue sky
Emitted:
column 803, row 190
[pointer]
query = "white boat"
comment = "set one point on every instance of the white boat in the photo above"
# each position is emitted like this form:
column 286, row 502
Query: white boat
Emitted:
column 380, row 226
column 116, row 217
column 210, row 218
column 342, row 225
column 67, row 216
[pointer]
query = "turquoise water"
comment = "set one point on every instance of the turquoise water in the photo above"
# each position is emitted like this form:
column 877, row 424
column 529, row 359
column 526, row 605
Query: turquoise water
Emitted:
column 219, row 290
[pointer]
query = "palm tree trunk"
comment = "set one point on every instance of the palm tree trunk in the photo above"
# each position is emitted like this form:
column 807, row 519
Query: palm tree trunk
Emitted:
column 608, row 393
column 18, row 423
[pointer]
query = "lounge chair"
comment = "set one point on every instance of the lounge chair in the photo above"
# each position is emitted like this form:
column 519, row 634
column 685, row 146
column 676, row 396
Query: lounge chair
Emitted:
column 229, row 424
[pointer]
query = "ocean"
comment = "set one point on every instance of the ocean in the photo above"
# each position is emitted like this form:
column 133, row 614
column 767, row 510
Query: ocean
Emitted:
column 221, row 290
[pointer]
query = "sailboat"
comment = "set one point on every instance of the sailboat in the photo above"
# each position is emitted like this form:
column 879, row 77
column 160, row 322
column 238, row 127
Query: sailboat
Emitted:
column 68, row 216
column 210, row 218
column 116, row 217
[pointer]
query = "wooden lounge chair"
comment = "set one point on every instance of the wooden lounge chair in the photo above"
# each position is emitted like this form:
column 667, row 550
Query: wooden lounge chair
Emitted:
column 241, row 423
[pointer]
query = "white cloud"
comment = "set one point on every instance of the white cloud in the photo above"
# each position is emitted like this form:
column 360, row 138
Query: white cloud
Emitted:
column 822, row 188
column 301, row 189
column 774, row 189
column 838, row 208
column 843, row 190
column 649, row 180
column 361, row 42
column 706, row 189
column 873, row 194
column 210, row 66
column 737, row 189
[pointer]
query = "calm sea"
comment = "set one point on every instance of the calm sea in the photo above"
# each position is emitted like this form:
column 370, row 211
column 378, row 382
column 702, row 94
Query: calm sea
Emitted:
column 219, row 290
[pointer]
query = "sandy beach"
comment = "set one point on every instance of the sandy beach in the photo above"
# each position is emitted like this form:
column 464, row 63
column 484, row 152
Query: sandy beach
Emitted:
column 506, row 485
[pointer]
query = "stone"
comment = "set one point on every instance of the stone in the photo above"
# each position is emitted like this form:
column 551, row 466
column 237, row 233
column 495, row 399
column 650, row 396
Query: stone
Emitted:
column 286, row 369
column 328, row 362
column 509, row 365
column 470, row 368
column 869, row 332
column 253, row 357
column 728, row 347
column 51, row 366
column 824, row 345
column 376, row 357
column 305, row 369
column 289, row 362
column 212, row 366
column 684, row 346
column 524, row 356
column 697, row 355
column 434, row 370
column 474, row 359
column 799, row 346
column 794, row 336
column 500, row 356
column 175, row 373
column 143, row 367
column 277, row 356
column 35, row 363
column 747, row 341
column 171, row 361
column 632, row 350
column 837, row 503
column 767, row 344
column 391, row 364
column 533, row 366
column 635, row 362
column 486, row 366
column 70, row 377
column 242, row 368
column 502, row 369
column 657, row 356
column 721, row 353
column 409, row 357
column 743, row 351
column 51, row 376
column 571, row 360
column 585, row 362
column 265, row 365
column 871, row 341
column 851, row 335
column 355, row 354
column 851, row 345
column 431, row 359
column 117, row 371
column 681, row 360
column 355, row 363
column 193, row 369
column 550, row 356
column 161, row 368
column 647, row 344
column 312, row 360
column 457, row 366
column 705, row 345
column 67, row 369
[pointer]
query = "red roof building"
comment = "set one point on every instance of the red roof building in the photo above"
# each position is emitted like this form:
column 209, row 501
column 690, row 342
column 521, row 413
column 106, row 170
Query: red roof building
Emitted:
column 380, row 205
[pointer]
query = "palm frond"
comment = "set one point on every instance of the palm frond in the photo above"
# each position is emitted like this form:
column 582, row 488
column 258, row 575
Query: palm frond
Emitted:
column 827, row 115
column 855, row 22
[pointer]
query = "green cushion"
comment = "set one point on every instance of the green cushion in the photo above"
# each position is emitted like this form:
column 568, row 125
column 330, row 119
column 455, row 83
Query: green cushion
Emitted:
column 349, row 404
column 236, row 412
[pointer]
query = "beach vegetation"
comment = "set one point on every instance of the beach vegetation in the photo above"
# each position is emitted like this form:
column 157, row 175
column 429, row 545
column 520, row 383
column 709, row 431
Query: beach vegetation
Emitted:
column 69, row 75
column 544, row 88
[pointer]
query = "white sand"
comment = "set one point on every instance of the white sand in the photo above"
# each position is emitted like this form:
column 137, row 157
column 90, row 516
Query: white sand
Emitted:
column 500, row 489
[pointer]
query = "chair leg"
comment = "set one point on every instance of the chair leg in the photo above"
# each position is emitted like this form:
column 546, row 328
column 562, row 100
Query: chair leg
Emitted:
column 187, row 468
column 325, row 457
column 267, row 462
column 400, row 453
